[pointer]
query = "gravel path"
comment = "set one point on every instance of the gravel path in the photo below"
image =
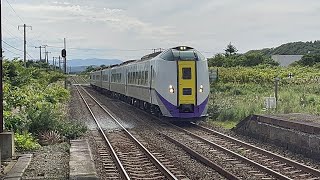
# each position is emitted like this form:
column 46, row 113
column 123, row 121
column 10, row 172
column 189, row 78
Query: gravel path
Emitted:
column 49, row 162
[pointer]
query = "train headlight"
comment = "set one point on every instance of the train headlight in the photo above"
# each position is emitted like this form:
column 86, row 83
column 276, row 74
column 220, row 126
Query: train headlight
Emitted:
column 201, row 89
column 171, row 89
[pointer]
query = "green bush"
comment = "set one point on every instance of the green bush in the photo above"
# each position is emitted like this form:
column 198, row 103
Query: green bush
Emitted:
column 34, row 100
column 15, row 122
column 71, row 129
column 25, row 142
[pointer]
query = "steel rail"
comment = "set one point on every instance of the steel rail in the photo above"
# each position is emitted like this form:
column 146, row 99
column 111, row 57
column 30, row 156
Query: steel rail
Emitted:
column 253, row 163
column 155, row 161
column 203, row 159
column 264, row 152
column 193, row 153
column 113, row 154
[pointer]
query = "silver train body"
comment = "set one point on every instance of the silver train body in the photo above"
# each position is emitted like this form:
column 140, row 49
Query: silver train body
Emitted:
column 174, row 82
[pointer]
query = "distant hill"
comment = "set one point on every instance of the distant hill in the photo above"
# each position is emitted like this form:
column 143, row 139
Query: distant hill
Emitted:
column 293, row 48
column 79, row 65
column 94, row 61
column 77, row 69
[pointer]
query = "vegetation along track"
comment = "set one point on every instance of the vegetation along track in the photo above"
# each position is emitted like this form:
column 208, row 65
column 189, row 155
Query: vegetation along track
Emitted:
column 131, row 158
column 288, row 169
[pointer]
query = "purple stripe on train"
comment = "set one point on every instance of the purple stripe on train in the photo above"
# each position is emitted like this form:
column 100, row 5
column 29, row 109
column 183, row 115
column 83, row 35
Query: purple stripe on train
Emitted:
column 174, row 110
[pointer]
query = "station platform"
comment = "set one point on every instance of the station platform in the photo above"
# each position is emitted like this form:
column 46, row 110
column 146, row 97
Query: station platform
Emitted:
column 81, row 162
column 296, row 132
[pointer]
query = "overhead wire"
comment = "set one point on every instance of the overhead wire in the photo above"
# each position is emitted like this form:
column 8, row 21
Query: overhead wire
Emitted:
column 7, row 50
column 11, row 46
column 15, row 11
column 13, row 36
column 101, row 49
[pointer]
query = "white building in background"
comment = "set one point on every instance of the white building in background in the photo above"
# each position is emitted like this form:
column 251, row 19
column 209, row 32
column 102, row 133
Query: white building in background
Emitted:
column 286, row 60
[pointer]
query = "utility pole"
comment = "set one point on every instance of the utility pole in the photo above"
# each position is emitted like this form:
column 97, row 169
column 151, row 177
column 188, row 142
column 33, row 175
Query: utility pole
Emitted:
column 24, row 42
column 53, row 64
column 64, row 55
column 59, row 63
column 40, row 47
column 1, row 88
column 47, row 56
column 276, row 89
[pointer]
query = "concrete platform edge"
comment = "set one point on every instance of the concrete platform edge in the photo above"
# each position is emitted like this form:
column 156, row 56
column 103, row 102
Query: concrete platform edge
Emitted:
column 19, row 168
column 81, row 161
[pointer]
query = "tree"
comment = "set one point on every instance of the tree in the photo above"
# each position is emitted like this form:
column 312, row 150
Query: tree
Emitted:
column 309, row 60
column 231, row 49
column 218, row 60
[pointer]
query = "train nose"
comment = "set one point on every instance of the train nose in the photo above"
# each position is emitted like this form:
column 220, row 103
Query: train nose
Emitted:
column 186, row 108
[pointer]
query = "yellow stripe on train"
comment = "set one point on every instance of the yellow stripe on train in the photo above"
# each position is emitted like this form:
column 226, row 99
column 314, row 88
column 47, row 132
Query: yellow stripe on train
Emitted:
column 187, row 82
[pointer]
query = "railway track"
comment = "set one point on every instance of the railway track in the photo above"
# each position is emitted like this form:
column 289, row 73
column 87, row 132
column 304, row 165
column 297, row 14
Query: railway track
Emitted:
column 232, row 158
column 131, row 160
column 78, row 80
column 269, row 165
column 279, row 166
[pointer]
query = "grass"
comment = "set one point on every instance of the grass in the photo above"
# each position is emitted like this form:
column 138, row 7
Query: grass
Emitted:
column 230, row 102
column 225, row 124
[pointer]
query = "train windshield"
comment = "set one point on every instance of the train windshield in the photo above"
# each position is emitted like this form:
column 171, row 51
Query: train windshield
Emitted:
column 176, row 55
column 185, row 55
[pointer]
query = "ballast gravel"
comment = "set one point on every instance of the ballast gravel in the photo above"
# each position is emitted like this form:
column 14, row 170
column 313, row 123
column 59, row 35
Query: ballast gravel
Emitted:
column 49, row 162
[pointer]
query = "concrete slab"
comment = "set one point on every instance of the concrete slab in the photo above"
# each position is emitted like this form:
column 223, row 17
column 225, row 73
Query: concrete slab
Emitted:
column 301, row 122
column 18, row 169
column 81, row 162
column 7, row 145
column 300, row 136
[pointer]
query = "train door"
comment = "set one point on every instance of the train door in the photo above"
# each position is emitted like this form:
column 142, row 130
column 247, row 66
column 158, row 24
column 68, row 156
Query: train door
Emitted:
column 125, row 81
column 187, row 85
column 150, row 82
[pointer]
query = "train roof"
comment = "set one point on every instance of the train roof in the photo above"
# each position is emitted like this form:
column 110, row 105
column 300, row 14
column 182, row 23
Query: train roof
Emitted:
column 149, row 56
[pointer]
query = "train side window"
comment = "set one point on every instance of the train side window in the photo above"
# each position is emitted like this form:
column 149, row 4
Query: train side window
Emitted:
column 186, row 73
column 130, row 79
column 134, row 78
column 146, row 76
column 137, row 78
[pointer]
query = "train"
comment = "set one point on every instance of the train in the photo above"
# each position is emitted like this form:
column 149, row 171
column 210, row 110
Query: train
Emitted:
column 173, row 84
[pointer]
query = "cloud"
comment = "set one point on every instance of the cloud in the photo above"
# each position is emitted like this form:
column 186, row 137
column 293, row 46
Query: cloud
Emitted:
column 205, row 24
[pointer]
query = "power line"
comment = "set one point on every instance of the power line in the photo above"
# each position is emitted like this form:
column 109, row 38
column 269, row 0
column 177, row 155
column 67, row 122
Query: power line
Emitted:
column 97, row 49
column 7, row 50
column 13, row 36
column 12, row 46
column 16, row 49
column 32, row 58
column 8, row 22
column 15, row 11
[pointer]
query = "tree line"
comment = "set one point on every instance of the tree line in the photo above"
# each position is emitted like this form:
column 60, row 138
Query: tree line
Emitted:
column 263, row 57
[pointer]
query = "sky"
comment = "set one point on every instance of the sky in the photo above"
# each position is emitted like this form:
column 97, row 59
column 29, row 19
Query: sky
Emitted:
column 129, row 29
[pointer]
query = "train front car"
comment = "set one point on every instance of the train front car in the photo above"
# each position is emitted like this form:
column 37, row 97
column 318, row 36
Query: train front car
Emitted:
column 182, row 84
